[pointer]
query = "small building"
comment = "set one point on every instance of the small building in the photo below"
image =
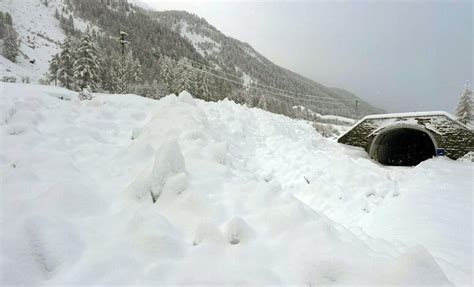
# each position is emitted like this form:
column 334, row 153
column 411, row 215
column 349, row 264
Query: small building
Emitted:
column 409, row 138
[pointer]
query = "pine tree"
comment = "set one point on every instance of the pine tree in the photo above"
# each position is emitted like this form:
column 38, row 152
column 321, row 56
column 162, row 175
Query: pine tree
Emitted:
column 135, row 71
column 87, row 64
column 70, row 24
column 53, row 69
column 127, row 74
column 66, row 63
column 464, row 111
column 182, row 78
column 115, row 76
column 203, row 86
column 67, row 24
column 166, row 73
column 8, row 19
column 262, row 103
column 109, row 72
column 11, row 46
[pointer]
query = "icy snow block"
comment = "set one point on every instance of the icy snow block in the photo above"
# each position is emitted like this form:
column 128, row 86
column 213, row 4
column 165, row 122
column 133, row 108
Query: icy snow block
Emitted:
column 237, row 231
column 176, row 184
column 169, row 170
column 186, row 97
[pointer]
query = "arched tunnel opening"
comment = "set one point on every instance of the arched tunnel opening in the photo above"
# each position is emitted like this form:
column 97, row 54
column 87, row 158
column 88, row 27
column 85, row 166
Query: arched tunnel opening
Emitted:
column 403, row 147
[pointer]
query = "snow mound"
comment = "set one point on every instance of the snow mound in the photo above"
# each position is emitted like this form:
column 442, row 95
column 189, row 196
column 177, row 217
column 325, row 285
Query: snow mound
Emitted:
column 129, row 190
column 169, row 171
column 237, row 231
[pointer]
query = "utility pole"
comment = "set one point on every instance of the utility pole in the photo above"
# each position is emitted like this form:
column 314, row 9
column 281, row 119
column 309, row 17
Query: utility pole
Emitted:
column 123, row 42
column 357, row 109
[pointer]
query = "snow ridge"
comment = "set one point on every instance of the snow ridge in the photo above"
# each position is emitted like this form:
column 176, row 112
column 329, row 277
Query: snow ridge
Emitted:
column 182, row 191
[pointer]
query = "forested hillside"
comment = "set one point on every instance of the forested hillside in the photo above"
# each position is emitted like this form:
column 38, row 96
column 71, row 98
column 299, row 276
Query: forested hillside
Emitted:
column 239, row 58
column 167, row 52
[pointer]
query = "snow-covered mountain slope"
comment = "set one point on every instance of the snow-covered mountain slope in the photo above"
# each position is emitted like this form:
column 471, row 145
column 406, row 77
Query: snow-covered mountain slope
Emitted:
column 40, row 36
column 174, row 33
column 125, row 189
column 239, row 58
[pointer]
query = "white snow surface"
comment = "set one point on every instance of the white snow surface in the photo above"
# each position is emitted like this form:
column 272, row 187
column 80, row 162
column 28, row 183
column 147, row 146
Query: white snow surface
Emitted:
column 125, row 189
column 412, row 114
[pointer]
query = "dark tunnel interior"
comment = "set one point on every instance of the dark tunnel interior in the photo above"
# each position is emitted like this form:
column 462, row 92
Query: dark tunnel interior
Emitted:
column 403, row 147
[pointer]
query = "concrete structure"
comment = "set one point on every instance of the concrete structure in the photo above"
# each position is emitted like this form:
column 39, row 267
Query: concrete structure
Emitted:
column 409, row 138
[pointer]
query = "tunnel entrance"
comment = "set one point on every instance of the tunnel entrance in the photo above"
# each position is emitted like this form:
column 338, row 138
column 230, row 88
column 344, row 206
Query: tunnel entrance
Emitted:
column 403, row 147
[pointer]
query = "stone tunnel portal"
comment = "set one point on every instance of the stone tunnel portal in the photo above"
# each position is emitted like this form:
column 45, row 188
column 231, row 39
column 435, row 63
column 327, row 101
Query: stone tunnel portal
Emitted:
column 403, row 147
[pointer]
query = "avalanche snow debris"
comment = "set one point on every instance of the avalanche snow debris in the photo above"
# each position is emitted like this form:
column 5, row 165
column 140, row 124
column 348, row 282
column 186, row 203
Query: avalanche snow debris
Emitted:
column 232, row 205
column 169, row 170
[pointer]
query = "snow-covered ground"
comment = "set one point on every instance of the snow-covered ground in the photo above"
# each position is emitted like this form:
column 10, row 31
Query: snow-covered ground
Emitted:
column 125, row 189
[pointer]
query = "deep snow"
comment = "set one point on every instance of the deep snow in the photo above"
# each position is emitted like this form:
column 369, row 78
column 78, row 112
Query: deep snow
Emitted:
column 125, row 189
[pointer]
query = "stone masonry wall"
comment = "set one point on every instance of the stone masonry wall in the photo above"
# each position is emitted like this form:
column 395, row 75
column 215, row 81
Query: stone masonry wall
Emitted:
column 453, row 137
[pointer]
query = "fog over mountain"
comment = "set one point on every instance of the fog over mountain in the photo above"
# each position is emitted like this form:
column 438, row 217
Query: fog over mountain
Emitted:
column 166, row 52
column 399, row 56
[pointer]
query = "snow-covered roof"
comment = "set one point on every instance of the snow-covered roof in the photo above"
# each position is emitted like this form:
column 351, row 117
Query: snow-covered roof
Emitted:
column 408, row 115
column 416, row 114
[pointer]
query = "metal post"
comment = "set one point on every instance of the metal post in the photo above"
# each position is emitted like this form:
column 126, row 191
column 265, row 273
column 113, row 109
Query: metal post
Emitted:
column 123, row 42
column 357, row 109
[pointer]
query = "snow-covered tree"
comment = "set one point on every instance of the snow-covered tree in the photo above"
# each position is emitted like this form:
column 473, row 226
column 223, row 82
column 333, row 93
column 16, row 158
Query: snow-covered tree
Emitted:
column 262, row 103
column 129, row 73
column 67, row 24
column 109, row 72
column 135, row 71
column 464, row 111
column 8, row 19
column 203, row 86
column 166, row 73
column 11, row 46
column 66, row 63
column 53, row 69
column 87, row 64
column 183, row 77
column 85, row 94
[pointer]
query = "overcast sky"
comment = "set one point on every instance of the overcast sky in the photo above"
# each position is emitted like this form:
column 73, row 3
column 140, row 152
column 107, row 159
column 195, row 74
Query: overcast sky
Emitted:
column 400, row 56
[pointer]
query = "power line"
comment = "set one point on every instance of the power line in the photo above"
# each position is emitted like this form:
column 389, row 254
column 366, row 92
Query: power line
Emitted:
column 270, row 87
column 261, row 90
column 287, row 93
column 308, row 98
column 257, row 89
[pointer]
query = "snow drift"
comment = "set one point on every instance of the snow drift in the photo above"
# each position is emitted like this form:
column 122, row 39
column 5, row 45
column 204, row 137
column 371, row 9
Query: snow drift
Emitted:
column 125, row 189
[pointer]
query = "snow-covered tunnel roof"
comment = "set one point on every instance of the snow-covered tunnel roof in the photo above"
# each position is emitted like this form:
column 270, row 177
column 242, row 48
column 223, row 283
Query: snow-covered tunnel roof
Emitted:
column 407, row 115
